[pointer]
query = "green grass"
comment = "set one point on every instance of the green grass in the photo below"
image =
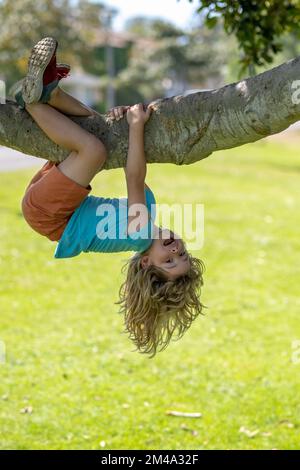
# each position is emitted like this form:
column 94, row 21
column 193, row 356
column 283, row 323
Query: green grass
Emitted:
column 68, row 359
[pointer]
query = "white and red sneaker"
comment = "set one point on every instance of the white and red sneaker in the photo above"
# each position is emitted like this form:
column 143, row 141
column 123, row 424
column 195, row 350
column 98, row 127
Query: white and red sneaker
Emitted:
column 43, row 72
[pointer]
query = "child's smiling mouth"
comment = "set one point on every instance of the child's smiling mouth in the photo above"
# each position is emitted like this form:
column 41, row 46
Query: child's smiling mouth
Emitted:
column 168, row 241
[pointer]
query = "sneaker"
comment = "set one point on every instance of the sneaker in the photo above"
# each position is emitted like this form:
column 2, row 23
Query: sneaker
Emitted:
column 42, row 55
column 62, row 71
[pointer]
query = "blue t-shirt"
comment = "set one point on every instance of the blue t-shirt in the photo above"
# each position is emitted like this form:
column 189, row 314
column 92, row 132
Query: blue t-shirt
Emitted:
column 100, row 224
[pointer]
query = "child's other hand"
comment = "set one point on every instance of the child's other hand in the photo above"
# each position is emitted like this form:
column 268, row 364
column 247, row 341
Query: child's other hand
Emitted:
column 138, row 114
column 117, row 112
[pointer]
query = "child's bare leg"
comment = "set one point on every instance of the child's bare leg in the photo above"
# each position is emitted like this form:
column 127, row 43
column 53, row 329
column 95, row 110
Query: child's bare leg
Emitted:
column 68, row 104
column 88, row 153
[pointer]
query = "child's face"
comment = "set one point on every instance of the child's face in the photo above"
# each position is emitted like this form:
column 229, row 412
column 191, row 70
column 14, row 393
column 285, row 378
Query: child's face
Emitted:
column 168, row 253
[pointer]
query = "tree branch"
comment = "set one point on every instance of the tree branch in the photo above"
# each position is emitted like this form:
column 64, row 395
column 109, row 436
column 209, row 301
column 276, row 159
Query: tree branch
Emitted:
column 182, row 129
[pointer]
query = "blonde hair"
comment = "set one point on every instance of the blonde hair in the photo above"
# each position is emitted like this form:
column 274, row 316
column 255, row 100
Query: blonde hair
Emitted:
column 154, row 307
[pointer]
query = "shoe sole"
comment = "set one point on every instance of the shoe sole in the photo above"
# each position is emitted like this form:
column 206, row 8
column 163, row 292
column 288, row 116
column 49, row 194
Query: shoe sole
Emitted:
column 16, row 87
column 40, row 57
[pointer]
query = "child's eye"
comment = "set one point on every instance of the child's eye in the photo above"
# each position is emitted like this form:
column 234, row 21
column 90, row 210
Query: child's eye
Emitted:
column 168, row 261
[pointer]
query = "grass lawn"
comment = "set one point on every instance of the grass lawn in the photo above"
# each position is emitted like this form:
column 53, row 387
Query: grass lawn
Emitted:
column 69, row 364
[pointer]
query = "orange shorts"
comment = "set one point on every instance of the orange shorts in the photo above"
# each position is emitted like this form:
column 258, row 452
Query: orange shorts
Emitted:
column 50, row 200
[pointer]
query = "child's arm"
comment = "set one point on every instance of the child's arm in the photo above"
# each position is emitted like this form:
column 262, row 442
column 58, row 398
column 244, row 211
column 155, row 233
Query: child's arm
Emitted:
column 136, row 167
column 118, row 113
column 136, row 161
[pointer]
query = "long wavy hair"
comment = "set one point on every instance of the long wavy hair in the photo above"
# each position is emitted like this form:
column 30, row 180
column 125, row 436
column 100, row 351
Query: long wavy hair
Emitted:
column 155, row 307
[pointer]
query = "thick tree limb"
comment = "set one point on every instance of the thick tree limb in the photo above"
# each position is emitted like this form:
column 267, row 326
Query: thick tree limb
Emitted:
column 182, row 129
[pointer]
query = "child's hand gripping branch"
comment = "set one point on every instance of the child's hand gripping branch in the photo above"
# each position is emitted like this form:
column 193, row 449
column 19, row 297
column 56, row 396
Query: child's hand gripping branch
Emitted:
column 134, row 113
column 138, row 114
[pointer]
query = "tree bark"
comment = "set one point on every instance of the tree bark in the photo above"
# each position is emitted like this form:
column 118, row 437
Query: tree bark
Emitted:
column 182, row 129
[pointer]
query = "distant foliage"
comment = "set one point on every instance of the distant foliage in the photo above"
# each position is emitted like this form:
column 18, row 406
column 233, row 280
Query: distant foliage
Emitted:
column 24, row 22
column 257, row 24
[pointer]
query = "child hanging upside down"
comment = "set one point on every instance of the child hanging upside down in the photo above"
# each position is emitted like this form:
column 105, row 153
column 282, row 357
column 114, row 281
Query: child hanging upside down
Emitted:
column 160, row 295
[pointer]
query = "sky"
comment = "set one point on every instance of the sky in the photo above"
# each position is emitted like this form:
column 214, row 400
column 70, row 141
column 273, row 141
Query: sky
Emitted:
column 178, row 12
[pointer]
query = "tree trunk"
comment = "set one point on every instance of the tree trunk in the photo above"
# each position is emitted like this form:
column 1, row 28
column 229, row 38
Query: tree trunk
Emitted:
column 182, row 129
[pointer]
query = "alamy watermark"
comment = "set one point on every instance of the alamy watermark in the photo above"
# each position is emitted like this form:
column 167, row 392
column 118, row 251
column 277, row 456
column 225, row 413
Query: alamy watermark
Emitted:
column 296, row 93
column 187, row 220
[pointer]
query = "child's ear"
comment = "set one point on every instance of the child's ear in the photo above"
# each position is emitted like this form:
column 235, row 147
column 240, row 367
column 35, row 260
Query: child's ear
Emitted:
column 145, row 261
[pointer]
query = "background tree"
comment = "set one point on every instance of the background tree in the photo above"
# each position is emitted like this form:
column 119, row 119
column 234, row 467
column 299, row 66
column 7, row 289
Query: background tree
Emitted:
column 24, row 22
column 182, row 129
column 165, row 55
column 158, row 55
column 258, row 26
